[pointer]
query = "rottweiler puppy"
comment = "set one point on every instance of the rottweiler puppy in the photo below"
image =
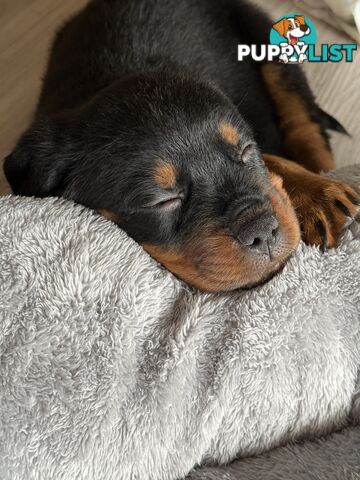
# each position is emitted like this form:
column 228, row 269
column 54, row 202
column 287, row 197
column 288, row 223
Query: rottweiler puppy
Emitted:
column 211, row 164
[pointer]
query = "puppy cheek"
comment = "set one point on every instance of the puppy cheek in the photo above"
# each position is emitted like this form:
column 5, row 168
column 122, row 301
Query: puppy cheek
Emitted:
column 285, row 213
column 114, row 217
column 213, row 262
column 180, row 263
column 224, row 263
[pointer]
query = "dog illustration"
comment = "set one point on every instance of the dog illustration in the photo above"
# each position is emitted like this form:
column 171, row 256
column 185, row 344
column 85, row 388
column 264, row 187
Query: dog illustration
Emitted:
column 292, row 28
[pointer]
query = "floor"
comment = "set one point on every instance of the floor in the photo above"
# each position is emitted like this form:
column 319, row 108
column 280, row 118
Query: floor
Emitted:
column 26, row 30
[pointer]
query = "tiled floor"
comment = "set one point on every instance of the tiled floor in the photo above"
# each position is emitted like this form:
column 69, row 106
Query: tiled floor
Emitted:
column 26, row 30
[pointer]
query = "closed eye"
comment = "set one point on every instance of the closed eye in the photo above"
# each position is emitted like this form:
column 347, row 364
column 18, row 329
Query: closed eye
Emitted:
column 171, row 203
column 165, row 204
column 247, row 152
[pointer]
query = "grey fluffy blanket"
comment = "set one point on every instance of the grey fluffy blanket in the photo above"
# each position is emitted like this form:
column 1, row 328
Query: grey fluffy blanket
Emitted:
column 113, row 369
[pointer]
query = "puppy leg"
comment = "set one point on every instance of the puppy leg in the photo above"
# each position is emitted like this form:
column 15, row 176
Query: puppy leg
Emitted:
column 323, row 206
column 302, row 122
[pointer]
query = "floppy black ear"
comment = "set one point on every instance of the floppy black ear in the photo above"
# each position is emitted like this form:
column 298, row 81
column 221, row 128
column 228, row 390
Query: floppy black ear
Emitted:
column 37, row 166
column 16, row 167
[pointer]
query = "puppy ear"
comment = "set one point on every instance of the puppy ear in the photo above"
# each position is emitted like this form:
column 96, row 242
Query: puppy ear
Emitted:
column 280, row 26
column 16, row 167
column 300, row 19
column 37, row 166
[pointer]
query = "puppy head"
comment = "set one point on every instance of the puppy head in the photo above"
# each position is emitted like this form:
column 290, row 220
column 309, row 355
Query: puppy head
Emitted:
column 173, row 164
column 292, row 28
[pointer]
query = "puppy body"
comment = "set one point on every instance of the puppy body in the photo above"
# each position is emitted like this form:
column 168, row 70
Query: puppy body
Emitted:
column 115, row 39
column 146, row 115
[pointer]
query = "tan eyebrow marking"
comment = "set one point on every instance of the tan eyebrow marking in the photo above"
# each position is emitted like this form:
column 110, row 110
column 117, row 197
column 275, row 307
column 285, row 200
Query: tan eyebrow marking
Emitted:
column 229, row 133
column 108, row 214
column 165, row 174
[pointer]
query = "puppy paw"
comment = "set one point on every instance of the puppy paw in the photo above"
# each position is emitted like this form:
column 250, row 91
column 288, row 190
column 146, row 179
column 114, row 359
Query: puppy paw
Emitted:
column 324, row 208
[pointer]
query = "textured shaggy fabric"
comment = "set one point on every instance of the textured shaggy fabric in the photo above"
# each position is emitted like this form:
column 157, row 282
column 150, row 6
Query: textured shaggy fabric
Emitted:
column 336, row 457
column 113, row 369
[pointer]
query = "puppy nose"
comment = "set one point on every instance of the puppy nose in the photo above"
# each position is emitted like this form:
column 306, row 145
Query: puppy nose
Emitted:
column 304, row 28
column 259, row 232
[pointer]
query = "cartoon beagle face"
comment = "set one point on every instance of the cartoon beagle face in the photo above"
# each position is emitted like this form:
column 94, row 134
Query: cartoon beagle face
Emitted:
column 292, row 28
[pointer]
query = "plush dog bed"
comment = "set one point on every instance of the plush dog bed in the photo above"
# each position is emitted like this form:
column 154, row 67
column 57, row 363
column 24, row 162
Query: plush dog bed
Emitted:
column 111, row 368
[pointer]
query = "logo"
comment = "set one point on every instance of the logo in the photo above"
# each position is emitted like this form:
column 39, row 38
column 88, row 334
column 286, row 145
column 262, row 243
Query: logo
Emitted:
column 293, row 33
column 293, row 40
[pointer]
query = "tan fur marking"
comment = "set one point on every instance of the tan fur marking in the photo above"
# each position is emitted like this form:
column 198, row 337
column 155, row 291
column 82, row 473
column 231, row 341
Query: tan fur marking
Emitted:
column 177, row 263
column 303, row 141
column 107, row 214
column 226, row 269
column 229, row 133
column 165, row 174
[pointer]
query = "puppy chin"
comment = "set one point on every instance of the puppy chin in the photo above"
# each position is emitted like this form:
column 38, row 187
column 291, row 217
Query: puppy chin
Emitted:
column 268, row 277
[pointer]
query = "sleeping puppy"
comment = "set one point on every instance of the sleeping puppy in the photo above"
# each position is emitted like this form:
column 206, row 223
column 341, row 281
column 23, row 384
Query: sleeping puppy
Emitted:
column 211, row 164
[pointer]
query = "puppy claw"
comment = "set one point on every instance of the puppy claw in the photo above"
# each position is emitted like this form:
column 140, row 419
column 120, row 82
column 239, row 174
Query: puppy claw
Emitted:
column 343, row 208
column 321, row 229
column 353, row 199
